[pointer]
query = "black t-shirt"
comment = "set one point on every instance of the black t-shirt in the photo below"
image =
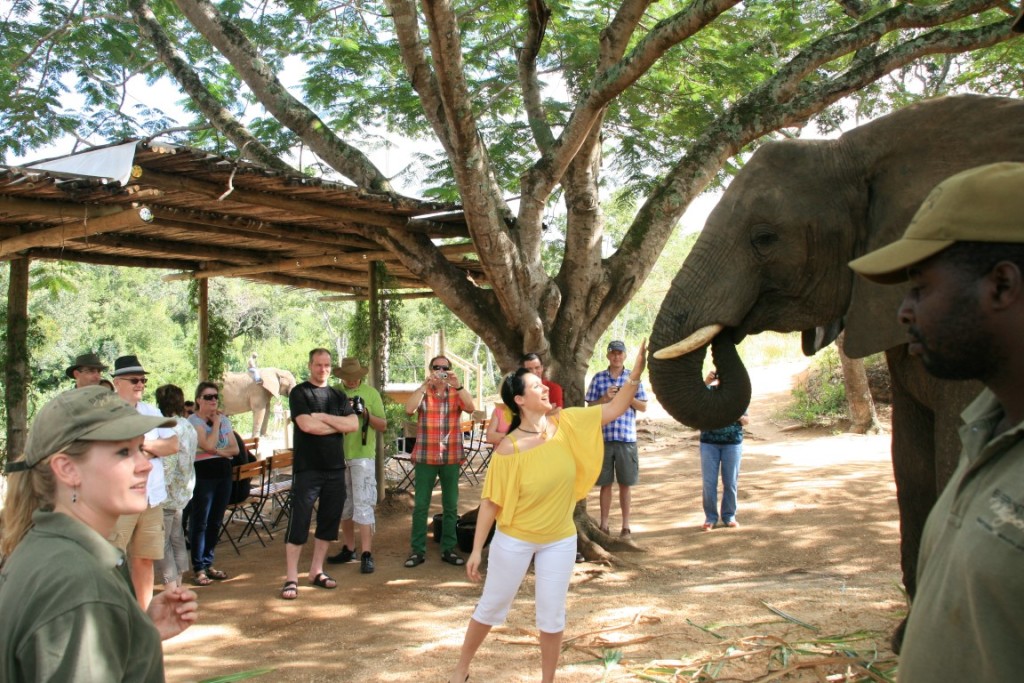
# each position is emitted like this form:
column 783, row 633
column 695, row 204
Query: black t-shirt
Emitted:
column 313, row 452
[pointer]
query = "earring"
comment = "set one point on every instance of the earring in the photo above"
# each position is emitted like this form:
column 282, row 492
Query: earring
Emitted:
column 74, row 495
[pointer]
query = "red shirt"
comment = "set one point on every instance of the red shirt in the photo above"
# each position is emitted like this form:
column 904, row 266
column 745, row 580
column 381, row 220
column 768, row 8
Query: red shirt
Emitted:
column 439, row 432
column 554, row 393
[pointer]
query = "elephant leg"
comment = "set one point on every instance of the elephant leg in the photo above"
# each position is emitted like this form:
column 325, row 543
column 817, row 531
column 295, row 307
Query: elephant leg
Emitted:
column 913, row 462
column 265, row 424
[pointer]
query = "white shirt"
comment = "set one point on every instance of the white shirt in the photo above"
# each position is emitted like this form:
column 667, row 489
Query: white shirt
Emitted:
column 156, row 491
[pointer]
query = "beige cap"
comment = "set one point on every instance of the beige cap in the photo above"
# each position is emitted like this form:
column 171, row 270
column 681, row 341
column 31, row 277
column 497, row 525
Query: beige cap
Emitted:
column 87, row 414
column 350, row 370
column 978, row 205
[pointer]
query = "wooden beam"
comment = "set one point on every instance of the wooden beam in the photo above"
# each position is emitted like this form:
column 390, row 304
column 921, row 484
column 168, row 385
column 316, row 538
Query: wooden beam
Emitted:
column 247, row 227
column 306, row 283
column 298, row 263
column 61, row 209
column 385, row 297
column 16, row 375
column 109, row 259
column 174, row 247
column 166, row 181
column 204, row 331
column 94, row 227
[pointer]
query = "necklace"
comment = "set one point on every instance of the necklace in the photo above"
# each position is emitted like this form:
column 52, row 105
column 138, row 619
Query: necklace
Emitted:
column 543, row 431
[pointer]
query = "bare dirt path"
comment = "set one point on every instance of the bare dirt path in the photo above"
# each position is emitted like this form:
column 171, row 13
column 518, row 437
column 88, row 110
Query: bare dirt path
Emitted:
column 819, row 540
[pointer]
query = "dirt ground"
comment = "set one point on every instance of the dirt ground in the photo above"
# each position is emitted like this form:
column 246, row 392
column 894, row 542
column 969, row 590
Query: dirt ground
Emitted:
column 818, row 540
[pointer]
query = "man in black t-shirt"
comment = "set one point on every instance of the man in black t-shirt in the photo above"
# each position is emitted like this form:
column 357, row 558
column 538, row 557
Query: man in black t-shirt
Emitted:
column 321, row 414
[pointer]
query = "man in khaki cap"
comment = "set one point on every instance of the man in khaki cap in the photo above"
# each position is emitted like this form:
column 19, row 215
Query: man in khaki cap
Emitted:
column 963, row 253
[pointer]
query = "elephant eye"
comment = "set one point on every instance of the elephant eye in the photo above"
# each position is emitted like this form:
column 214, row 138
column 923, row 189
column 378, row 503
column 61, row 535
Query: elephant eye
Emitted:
column 763, row 239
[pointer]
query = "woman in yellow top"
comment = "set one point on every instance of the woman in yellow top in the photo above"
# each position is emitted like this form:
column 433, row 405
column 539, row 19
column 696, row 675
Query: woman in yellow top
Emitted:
column 536, row 475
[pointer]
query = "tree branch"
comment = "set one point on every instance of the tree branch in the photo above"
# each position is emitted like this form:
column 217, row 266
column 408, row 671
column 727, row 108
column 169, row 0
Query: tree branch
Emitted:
column 257, row 74
column 216, row 113
column 537, row 23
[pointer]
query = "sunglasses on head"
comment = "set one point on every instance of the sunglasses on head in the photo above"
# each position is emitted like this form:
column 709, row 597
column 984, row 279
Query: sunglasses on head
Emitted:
column 210, row 397
column 440, row 367
column 135, row 380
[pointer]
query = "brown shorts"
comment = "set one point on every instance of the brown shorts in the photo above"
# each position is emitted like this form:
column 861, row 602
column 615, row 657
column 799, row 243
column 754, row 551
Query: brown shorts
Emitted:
column 141, row 535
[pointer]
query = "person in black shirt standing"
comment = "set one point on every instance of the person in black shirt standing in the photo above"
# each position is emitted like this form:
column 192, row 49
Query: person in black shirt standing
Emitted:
column 321, row 414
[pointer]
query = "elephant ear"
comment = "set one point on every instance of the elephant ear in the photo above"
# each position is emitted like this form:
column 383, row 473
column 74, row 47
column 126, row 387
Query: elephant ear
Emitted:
column 271, row 382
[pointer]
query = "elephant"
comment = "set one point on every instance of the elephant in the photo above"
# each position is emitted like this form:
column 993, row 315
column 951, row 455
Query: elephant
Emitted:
column 240, row 394
column 773, row 255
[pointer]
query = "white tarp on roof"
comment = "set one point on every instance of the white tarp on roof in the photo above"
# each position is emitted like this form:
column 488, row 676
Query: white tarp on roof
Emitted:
column 109, row 163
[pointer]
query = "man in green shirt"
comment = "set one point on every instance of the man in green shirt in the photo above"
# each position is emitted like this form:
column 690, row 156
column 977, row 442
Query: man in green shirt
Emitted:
column 360, row 461
column 963, row 253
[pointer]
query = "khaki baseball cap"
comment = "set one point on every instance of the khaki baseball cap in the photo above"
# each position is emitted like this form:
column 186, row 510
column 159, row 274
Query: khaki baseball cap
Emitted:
column 87, row 414
column 978, row 205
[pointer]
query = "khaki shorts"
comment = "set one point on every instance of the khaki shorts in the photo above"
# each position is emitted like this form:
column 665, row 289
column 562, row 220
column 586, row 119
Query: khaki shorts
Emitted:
column 141, row 535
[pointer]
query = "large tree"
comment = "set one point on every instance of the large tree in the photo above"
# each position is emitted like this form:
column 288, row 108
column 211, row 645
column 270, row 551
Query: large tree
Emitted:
column 540, row 100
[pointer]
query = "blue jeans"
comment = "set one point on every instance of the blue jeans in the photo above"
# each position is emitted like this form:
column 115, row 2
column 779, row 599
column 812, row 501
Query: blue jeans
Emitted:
column 725, row 458
column 206, row 513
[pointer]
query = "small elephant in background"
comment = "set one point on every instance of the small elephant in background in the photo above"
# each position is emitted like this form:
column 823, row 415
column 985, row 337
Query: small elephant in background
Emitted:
column 241, row 394
column 773, row 256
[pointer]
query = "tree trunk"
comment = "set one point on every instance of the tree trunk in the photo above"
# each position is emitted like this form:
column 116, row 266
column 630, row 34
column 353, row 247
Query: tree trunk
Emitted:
column 16, row 373
column 863, row 419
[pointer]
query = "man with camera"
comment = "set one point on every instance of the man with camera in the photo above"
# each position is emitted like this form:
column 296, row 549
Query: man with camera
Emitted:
column 360, row 461
column 322, row 414
column 439, row 402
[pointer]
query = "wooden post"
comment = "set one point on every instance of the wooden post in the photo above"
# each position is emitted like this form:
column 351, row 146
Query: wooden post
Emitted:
column 16, row 373
column 377, row 344
column 204, row 330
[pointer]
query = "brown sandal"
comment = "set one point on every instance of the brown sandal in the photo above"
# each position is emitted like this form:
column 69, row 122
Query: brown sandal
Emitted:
column 201, row 579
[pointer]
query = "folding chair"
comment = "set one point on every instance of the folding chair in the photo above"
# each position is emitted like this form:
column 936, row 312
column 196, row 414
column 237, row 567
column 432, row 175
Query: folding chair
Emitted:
column 251, row 508
column 403, row 468
column 471, row 441
column 279, row 484
column 252, row 444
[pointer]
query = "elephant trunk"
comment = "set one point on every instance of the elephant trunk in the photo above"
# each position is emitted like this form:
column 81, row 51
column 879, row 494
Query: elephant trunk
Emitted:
column 679, row 385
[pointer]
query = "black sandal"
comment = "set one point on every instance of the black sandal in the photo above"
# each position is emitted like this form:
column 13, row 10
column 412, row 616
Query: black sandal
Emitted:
column 322, row 580
column 415, row 560
column 450, row 557
column 290, row 590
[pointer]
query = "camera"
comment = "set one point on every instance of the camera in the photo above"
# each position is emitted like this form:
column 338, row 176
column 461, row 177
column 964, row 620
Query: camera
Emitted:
column 442, row 375
column 358, row 405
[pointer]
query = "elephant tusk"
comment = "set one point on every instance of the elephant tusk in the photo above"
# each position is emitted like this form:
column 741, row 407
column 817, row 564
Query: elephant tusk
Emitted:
column 700, row 338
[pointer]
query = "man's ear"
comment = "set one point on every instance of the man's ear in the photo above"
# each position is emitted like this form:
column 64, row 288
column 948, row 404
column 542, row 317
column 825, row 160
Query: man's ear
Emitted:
column 1007, row 285
column 65, row 469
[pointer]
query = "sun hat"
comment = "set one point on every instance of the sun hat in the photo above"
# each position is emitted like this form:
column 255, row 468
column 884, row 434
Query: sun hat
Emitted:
column 617, row 345
column 87, row 414
column 350, row 370
column 128, row 365
column 86, row 360
column 977, row 205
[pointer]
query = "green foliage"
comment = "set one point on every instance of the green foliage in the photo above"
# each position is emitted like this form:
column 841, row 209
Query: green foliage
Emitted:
column 822, row 398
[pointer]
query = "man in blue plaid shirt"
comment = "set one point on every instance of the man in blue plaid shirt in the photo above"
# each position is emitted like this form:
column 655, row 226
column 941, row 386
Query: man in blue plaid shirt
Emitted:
column 621, row 460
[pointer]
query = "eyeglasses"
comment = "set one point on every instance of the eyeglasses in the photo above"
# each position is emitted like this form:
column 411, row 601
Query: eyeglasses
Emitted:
column 135, row 380
column 440, row 367
column 210, row 397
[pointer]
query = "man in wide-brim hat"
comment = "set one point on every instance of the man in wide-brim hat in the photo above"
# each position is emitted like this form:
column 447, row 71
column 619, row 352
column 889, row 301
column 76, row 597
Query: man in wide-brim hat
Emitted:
column 360, row 470
column 86, row 370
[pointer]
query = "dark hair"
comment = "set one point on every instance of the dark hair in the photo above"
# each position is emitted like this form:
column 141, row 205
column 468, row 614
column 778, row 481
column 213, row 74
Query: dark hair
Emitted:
column 529, row 356
column 976, row 259
column 171, row 400
column 317, row 351
column 512, row 386
column 436, row 358
column 204, row 386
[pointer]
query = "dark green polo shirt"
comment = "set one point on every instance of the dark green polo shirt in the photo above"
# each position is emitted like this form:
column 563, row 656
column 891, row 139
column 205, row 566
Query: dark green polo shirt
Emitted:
column 68, row 612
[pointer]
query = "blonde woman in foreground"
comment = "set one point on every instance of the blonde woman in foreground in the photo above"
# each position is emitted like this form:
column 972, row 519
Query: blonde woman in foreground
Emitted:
column 67, row 608
column 537, row 473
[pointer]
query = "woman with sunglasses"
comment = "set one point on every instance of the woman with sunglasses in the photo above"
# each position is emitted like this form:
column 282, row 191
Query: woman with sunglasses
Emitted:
column 67, row 611
column 439, row 402
column 217, row 446
column 536, row 474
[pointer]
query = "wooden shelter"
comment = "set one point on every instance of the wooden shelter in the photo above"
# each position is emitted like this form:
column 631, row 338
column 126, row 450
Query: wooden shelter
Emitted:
column 155, row 205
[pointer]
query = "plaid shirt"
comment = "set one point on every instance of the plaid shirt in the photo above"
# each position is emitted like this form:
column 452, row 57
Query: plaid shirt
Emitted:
column 622, row 428
column 439, row 432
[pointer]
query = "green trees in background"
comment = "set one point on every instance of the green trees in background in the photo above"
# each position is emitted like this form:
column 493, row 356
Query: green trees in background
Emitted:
column 550, row 102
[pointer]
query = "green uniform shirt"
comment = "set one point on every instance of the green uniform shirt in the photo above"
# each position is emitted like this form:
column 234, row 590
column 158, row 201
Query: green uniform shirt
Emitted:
column 354, row 447
column 68, row 612
column 967, row 621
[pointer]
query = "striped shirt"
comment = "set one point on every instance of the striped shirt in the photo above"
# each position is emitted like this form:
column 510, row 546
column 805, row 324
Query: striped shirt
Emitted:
column 622, row 428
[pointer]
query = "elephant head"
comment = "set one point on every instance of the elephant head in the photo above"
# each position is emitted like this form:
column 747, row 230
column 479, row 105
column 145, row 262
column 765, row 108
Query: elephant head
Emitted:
column 278, row 382
column 773, row 253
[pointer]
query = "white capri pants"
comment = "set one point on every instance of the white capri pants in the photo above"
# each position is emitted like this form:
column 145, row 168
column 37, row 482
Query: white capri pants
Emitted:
column 507, row 564
column 360, row 490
